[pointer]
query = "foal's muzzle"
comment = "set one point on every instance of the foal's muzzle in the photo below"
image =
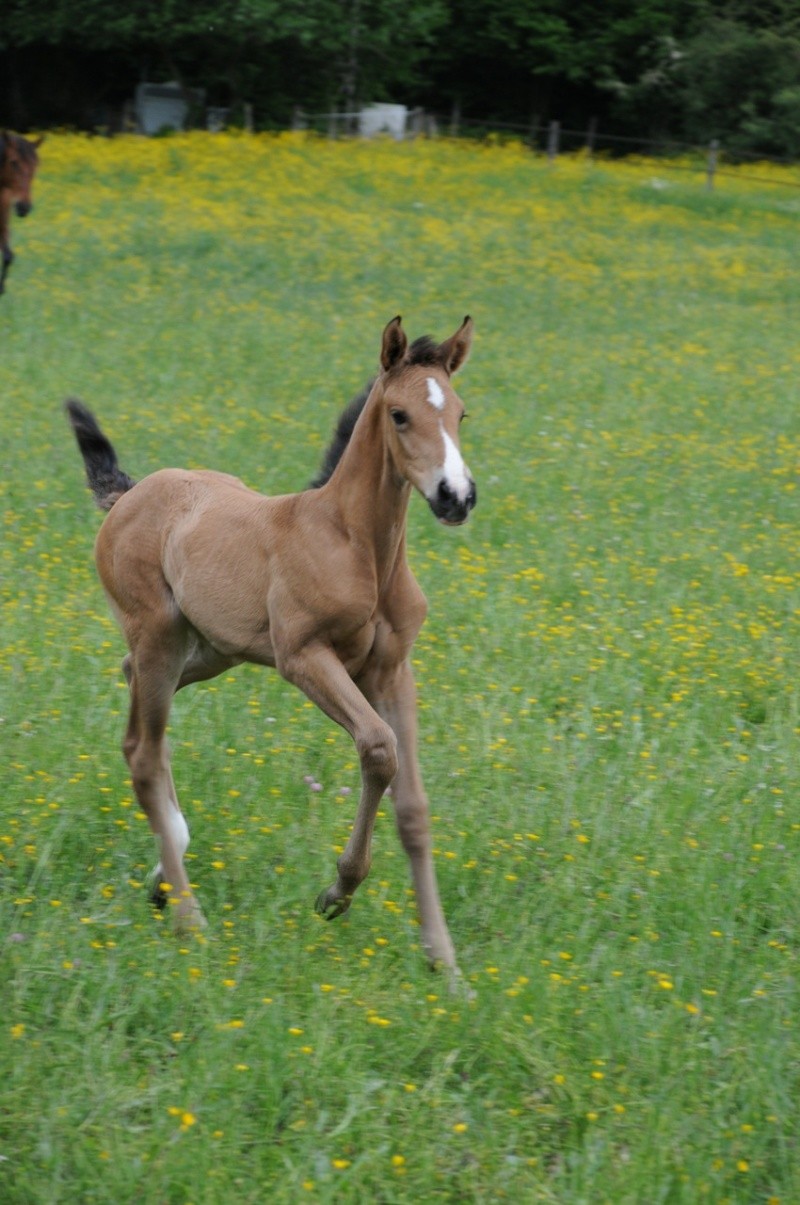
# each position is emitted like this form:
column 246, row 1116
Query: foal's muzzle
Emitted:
column 449, row 508
column 23, row 208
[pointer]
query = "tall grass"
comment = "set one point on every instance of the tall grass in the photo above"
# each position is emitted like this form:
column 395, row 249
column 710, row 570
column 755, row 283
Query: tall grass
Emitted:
column 608, row 690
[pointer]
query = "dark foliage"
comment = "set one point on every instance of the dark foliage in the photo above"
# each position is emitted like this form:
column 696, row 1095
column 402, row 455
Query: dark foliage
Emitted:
column 655, row 69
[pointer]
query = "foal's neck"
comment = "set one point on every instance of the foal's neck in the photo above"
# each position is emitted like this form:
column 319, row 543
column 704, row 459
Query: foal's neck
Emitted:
column 371, row 497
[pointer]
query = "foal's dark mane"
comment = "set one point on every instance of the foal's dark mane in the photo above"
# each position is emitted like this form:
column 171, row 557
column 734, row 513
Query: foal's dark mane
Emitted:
column 25, row 149
column 423, row 351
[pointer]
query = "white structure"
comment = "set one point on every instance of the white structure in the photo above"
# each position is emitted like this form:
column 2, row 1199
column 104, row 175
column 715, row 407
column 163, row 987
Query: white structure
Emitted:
column 163, row 106
column 383, row 119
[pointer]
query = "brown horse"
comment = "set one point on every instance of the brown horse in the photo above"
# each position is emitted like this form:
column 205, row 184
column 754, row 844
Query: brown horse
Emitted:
column 18, row 163
column 202, row 574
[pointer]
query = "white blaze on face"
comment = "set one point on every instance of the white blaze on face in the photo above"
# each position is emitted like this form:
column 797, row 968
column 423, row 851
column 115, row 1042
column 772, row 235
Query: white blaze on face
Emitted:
column 454, row 472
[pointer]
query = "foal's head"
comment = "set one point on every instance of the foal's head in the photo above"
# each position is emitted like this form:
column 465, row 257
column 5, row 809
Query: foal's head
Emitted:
column 18, row 164
column 422, row 413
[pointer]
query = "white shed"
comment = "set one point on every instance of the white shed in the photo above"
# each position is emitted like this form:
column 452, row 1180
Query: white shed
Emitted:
column 383, row 119
column 164, row 106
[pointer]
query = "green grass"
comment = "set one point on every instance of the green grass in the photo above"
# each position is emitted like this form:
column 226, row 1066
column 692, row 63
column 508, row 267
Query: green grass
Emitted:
column 608, row 691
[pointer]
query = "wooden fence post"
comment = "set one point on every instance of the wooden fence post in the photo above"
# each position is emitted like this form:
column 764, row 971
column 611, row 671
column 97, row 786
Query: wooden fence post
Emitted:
column 553, row 134
column 247, row 110
column 713, row 154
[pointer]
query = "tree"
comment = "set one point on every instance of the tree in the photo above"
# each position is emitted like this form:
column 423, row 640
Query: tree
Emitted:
column 741, row 84
column 355, row 49
column 690, row 69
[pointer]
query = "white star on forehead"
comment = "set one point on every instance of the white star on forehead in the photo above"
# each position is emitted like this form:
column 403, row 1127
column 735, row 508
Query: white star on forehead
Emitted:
column 435, row 394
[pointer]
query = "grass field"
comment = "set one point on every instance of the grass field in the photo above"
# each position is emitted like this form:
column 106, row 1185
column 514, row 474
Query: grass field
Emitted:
column 608, row 688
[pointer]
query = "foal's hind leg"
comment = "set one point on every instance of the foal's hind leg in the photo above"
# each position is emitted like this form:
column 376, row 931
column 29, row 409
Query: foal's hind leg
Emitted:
column 153, row 675
column 202, row 664
column 158, row 896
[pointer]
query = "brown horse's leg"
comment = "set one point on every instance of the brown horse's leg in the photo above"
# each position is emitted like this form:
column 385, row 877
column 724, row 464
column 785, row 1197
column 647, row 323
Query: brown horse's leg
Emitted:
column 153, row 675
column 6, row 254
column 394, row 697
column 7, row 258
column 322, row 677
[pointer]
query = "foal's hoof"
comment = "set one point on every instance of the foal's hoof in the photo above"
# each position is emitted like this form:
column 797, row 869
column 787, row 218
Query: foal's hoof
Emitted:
column 189, row 921
column 457, row 984
column 158, row 897
column 331, row 904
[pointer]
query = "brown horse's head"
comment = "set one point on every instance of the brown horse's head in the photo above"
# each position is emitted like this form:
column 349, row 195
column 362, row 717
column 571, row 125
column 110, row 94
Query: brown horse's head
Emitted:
column 18, row 163
column 423, row 413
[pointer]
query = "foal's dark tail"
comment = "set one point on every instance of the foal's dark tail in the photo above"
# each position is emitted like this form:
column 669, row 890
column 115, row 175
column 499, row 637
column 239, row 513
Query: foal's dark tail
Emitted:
column 105, row 478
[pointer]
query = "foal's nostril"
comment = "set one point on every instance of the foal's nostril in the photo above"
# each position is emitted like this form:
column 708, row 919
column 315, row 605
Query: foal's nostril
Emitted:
column 444, row 494
column 472, row 496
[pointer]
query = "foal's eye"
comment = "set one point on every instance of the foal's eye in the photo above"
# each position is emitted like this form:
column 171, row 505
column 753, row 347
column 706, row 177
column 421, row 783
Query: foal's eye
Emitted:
column 399, row 418
column 463, row 416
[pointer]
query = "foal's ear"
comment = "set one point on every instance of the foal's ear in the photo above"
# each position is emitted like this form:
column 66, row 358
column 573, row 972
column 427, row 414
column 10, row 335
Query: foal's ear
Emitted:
column 394, row 344
column 37, row 142
column 454, row 351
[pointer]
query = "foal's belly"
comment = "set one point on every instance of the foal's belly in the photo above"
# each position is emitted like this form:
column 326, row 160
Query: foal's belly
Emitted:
column 224, row 612
column 237, row 623
column 353, row 652
column 242, row 577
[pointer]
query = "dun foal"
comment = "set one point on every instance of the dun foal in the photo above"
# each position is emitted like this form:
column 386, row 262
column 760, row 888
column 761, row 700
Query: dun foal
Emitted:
column 18, row 164
column 203, row 573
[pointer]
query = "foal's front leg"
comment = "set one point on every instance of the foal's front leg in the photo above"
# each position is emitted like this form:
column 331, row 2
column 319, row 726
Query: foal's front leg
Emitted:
column 321, row 676
column 393, row 694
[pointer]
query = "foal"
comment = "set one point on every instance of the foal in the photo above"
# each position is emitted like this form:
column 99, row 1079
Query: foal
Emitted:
column 18, row 163
column 203, row 573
